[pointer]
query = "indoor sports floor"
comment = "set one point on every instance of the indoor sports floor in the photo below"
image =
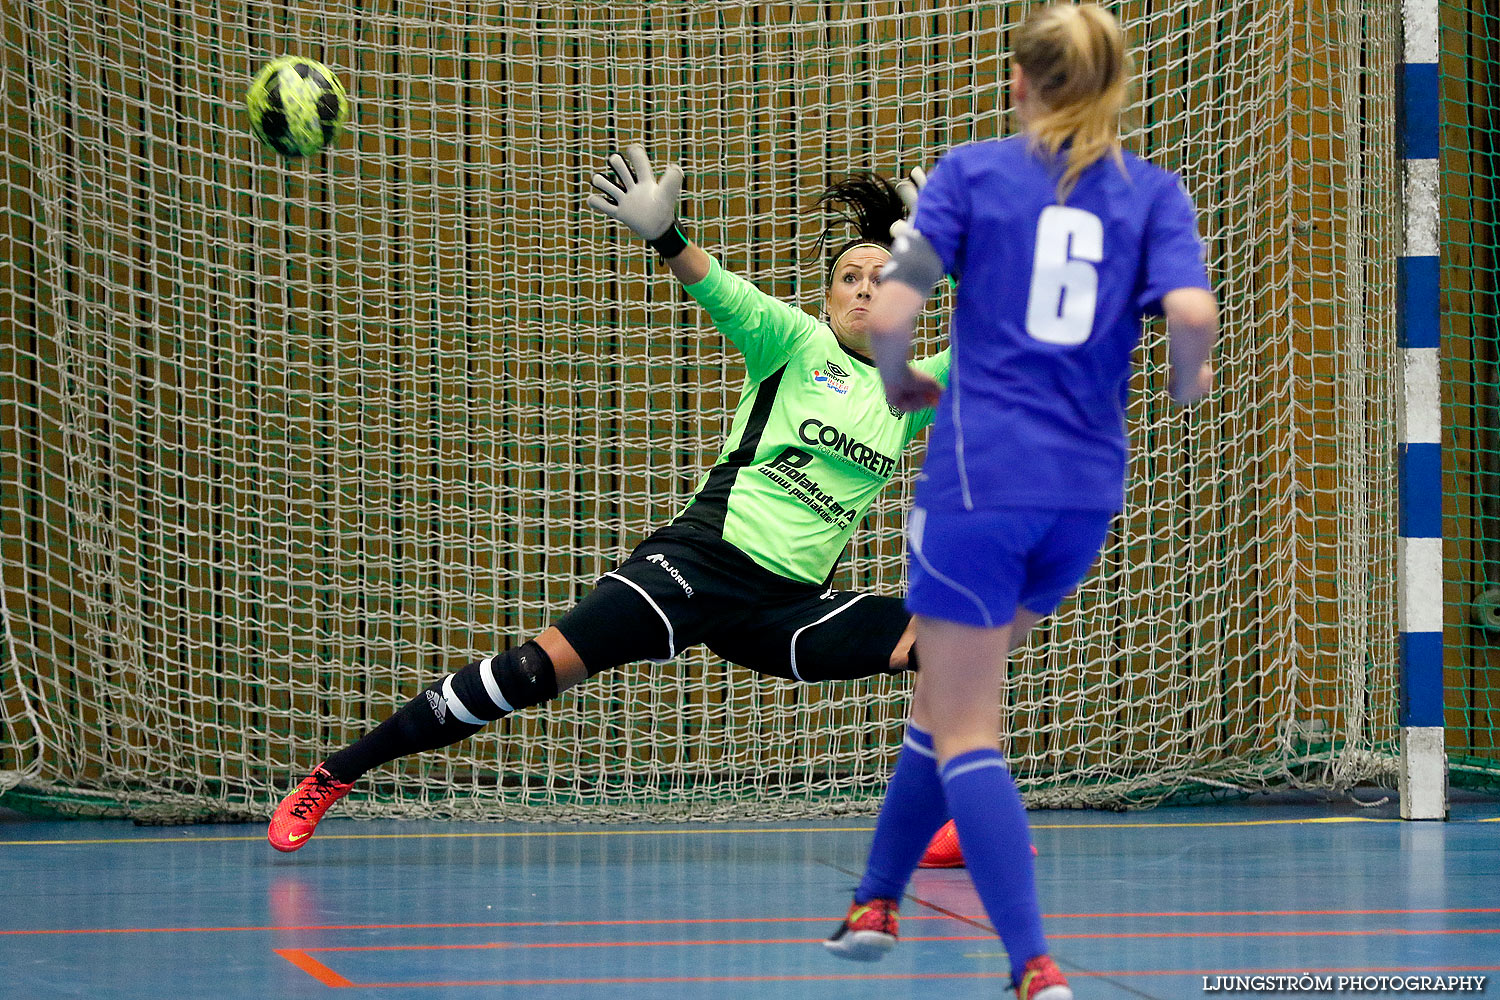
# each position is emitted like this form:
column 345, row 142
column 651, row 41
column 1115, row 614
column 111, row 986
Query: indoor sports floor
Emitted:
column 1138, row 905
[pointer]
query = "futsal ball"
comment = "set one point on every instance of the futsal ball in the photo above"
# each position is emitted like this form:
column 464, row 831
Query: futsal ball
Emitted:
column 297, row 106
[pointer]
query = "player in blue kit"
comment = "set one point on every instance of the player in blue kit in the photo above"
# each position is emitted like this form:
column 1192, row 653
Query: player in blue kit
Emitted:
column 1059, row 241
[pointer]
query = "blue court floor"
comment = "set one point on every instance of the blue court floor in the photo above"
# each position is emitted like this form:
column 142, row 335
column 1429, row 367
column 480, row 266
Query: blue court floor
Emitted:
column 1138, row 905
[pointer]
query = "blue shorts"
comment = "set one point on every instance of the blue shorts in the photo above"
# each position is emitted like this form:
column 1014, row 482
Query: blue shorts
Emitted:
column 976, row 567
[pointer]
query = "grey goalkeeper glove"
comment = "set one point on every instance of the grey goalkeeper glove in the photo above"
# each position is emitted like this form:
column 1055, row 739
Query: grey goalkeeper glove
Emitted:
column 636, row 198
column 908, row 190
column 904, row 234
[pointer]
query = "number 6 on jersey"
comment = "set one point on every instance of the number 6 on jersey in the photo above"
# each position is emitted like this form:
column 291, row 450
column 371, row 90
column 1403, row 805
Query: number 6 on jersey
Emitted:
column 1064, row 282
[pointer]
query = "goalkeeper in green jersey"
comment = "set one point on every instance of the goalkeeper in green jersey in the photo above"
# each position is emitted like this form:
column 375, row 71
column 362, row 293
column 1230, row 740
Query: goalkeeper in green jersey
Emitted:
column 744, row 567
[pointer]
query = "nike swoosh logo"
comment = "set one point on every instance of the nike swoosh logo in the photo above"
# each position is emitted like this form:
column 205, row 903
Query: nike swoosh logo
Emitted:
column 298, row 836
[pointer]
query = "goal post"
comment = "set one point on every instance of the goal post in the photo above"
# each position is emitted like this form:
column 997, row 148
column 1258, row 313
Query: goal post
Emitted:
column 281, row 440
column 1423, row 777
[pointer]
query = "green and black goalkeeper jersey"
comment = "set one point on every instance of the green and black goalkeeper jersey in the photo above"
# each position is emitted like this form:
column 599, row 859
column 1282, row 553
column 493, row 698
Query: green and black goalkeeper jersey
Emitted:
column 813, row 439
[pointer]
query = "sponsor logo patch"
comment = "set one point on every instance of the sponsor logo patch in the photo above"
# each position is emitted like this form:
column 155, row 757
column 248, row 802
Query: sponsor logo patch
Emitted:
column 660, row 561
column 789, row 471
column 815, row 432
column 832, row 377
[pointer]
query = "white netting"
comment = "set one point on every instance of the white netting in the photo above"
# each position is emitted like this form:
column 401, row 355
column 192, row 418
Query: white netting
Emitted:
column 278, row 440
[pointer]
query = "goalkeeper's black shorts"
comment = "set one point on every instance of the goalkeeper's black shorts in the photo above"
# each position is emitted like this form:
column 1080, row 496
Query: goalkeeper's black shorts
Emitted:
column 682, row 587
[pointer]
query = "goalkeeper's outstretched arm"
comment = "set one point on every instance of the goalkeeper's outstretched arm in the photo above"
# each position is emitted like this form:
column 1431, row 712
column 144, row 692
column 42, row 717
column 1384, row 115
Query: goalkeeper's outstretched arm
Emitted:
column 637, row 198
column 691, row 265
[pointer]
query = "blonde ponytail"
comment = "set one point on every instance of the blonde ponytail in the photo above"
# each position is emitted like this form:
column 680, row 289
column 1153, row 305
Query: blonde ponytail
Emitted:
column 1077, row 69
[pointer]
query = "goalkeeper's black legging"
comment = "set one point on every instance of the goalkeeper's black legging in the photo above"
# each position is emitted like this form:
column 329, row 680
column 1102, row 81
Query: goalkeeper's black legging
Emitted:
column 674, row 592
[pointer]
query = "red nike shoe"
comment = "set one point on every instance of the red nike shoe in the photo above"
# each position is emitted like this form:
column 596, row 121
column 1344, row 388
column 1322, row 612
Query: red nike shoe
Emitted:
column 295, row 819
column 944, row 850
column 1043, row 981
column 867, row 933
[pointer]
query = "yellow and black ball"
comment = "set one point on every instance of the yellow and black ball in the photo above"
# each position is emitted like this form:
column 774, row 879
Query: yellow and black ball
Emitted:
column 297, row 106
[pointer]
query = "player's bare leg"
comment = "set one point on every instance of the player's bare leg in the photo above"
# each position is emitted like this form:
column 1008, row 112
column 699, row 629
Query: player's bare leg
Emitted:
column 958, row 695
column 902, row 653
column 945, row 850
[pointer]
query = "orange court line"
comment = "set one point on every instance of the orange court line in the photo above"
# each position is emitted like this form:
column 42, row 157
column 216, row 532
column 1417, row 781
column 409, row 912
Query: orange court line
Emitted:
column 908, row 976
column 1260, row 913
column 550, row 945
column 1371, row 932
column 663, row 980
column 454, row 926
column 313, row 967
column 669, row 921
column 723, row 942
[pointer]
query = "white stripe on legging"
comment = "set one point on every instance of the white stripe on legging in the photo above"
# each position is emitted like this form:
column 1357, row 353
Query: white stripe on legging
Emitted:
column 457, row 707
column 491, row 685
column 950, row 772
column 793, row 653
column 916, row 747
column 671, row 639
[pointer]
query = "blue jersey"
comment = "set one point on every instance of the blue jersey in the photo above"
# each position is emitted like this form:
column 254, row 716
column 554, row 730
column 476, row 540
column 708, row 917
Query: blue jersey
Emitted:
column 1050, row 299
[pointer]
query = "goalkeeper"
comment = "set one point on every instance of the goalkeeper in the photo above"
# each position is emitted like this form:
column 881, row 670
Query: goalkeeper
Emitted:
column 744, row 567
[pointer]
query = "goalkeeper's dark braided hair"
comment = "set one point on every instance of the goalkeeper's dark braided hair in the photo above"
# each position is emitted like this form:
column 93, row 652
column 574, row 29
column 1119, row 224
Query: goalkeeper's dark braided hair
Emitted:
column 869, row 203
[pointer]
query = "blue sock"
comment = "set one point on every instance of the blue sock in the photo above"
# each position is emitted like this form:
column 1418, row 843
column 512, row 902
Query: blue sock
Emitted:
column 992, row 828
column 913, row 811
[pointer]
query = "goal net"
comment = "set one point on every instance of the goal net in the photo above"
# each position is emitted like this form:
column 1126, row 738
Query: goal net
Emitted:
column 280, row 441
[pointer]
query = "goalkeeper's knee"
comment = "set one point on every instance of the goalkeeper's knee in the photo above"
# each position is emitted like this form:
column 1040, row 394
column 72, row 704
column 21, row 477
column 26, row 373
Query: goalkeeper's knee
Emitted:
column 488, row 689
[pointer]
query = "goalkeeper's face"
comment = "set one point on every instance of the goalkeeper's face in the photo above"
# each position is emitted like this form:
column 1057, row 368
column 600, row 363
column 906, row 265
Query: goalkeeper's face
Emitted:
column 848, row 303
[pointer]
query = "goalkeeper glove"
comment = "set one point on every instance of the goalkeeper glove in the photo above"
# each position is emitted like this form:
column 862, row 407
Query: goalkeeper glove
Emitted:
column 908, row 190
column 636, row 198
